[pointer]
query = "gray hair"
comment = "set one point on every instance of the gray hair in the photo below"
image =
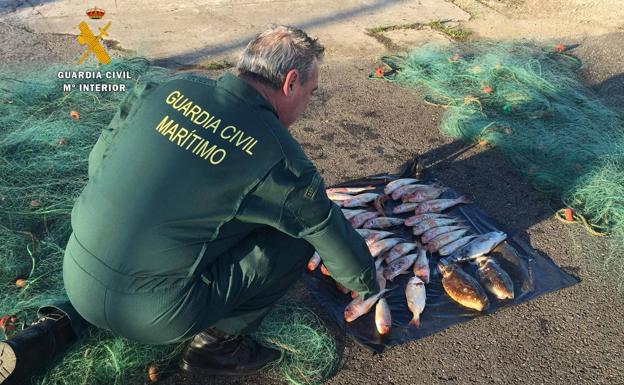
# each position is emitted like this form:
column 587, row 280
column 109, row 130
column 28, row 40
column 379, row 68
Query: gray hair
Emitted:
column 279, row 49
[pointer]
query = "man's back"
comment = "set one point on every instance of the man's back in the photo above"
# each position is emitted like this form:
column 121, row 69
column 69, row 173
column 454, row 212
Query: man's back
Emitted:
column 176, row 169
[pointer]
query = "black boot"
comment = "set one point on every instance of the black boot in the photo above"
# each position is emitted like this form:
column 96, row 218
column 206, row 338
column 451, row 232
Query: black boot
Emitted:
column 33, row 348
column 213, row 352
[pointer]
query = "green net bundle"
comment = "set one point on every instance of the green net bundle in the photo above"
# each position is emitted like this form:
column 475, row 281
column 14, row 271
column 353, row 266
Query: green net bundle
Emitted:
column 600, row 193
column 310, row 355
column 527, row 102
column 43, row 168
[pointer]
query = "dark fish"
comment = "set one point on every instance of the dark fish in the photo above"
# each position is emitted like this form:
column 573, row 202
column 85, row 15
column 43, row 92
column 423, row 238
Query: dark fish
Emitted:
column 462, row 287
column 494, row 278
column 521, row 268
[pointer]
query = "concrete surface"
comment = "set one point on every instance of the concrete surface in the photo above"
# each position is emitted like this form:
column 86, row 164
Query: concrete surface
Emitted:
column 355, row 127
column 184, row 32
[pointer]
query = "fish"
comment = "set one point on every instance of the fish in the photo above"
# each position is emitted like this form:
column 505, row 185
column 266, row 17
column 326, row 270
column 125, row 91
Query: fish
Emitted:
column 380, row 202
column 360, row 219
column 521, row 267
column 404, row 207
column 358, row 307
column 416, row 219
column 383, row 222
column 335, row 196
column 437, row 231
column 481, row 245
column 494, row 278
column 395, row 184
column 314, row 261
column 359, row 200
column 416, row 296
column 421, row 266
column 451, row 247
column 444, row 239
column 383, row 317
column 438, row 205
column 348, row 213
column 428, row 224
column 324, row 271
column 348, row 190
column 462, row 287
column 373, row 235
column 398, row 193
column 411, row 188
column 399, row 266
column 400, row 250
column 383, row 245
column 379, row 274
column 423, row 195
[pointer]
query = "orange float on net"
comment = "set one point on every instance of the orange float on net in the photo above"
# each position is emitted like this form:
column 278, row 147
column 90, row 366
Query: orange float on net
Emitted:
column 560, row 48
column 61, row 142
column 325, row 271
column 152, row 373
column 568, row 214
column 35, row 203
column 454, row 58
column 379, row 72
column 74, row 114
column 487, row 89
column 20, row 282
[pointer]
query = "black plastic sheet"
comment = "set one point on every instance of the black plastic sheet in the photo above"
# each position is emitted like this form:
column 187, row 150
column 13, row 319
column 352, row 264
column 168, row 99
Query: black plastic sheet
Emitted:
column 533, row 274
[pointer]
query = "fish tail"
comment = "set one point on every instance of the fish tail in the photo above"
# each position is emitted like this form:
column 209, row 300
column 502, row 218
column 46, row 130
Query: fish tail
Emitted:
column 465, row 199
column 415, row 322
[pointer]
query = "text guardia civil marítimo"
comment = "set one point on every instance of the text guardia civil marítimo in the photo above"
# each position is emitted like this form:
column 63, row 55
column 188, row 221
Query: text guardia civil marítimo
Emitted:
column 197, row 144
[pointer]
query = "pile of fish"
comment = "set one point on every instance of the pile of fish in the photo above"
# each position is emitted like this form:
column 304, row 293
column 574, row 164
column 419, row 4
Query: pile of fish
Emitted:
column 432, row 231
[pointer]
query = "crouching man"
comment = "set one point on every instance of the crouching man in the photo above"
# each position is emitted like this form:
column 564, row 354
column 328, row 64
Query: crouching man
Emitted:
column 201, row 211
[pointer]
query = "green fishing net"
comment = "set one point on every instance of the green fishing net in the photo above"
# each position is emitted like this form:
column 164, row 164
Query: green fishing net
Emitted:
column 527, row 102
column 44, row 149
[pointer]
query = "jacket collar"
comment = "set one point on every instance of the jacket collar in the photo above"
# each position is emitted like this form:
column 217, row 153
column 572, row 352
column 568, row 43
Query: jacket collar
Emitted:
column 239, row 88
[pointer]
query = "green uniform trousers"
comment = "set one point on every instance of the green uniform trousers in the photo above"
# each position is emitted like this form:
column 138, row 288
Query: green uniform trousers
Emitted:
column 233, row 293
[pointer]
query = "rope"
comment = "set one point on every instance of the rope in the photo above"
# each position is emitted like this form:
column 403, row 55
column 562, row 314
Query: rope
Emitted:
column 578, row 218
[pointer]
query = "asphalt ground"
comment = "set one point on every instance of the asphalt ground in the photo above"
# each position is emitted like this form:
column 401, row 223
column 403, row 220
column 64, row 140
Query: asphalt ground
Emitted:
column 356, row 127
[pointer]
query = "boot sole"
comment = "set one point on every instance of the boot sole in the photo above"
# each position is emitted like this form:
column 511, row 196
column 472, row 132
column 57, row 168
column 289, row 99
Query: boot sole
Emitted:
column 186, row 367
column 215, row 372
column 8, row 360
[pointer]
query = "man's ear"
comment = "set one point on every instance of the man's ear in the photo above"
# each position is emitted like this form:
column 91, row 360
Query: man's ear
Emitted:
column 292, row 77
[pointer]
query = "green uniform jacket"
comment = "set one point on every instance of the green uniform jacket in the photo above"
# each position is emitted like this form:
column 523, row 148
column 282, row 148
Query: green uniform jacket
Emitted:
column 188, row 168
